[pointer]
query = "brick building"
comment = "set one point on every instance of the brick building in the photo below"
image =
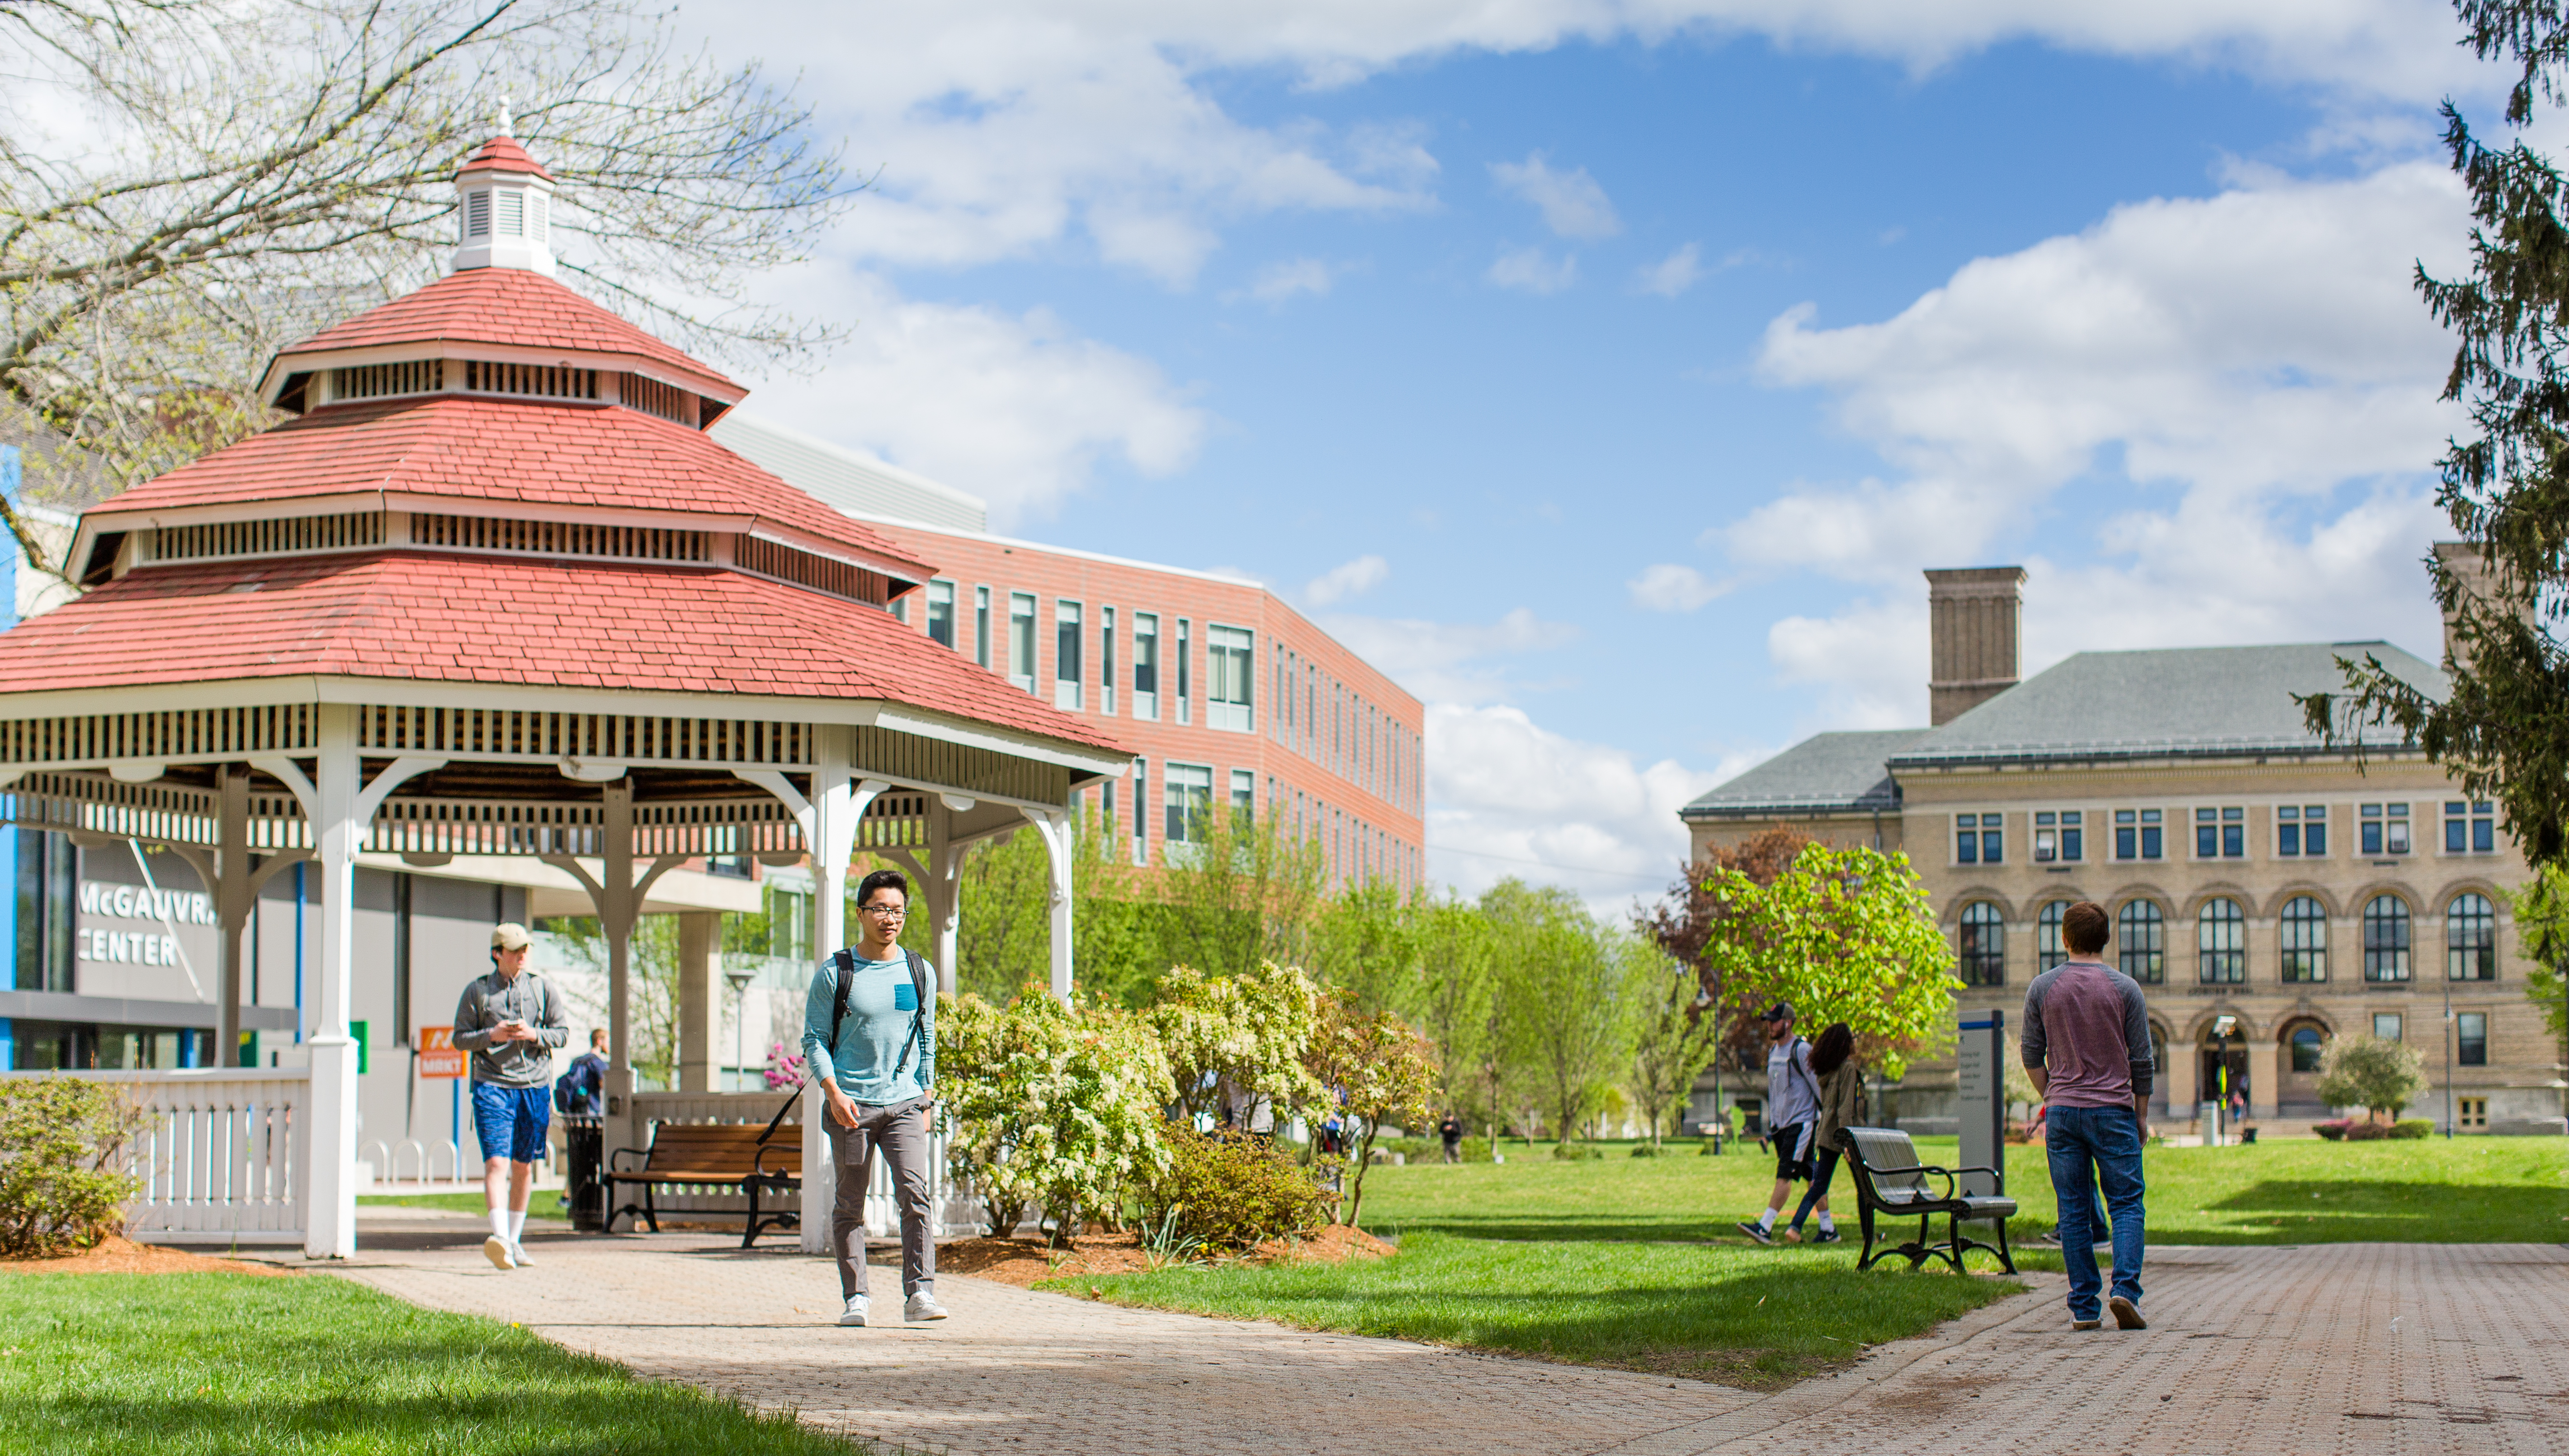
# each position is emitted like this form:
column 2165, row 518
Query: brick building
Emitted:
column 1228, row 696
column 2269, row 893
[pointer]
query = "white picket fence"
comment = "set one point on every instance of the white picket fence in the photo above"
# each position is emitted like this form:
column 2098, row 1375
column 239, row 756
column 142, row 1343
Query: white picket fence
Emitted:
column 220, row 1154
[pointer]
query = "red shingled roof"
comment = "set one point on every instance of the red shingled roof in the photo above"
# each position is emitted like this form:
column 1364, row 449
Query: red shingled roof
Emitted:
column 509, row 307
column 476, row 448
column 490, row 620
column 503, row 154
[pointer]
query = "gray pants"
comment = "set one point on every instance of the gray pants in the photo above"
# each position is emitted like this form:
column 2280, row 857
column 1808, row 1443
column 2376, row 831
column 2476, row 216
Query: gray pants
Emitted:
column 901, row 1131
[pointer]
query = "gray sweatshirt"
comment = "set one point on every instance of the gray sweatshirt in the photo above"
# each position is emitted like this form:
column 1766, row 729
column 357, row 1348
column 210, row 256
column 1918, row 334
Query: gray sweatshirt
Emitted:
column 2087, row 1026
column 489, row 1000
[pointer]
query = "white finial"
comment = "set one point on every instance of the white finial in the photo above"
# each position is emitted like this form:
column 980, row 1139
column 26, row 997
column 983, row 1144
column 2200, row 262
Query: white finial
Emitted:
column 502, row 123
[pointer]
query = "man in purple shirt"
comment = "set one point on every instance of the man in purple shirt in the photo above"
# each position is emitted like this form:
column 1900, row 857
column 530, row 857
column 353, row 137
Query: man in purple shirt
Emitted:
column 2087, row 1051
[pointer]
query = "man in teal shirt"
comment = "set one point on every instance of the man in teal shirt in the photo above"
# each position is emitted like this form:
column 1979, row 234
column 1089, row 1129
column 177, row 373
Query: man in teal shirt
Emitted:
column 878, row 1074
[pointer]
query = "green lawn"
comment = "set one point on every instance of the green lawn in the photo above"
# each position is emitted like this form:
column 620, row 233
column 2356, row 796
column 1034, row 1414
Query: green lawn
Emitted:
column 1636, row 1262
column 541, row 1203
column 189, row 1363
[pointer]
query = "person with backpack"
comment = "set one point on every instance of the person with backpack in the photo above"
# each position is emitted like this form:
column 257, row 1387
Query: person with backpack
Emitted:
column 1793, row 1103
column 582, row 1091
column 1841, row 1106
column 869, row 1042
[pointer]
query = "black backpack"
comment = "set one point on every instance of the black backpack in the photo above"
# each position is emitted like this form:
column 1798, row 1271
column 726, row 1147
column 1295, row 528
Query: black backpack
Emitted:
column 844, row 962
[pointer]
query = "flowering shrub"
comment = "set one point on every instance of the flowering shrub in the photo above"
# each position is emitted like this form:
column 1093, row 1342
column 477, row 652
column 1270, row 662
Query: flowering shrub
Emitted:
column 784, row 1069
column 1246, row 1035
column 1052, row 1104
column 59, row 1144
column 1232, row 1191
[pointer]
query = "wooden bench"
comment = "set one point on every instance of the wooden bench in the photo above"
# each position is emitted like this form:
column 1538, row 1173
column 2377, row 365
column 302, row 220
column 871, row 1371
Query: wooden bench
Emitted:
column 732, row 1155
column 1890, row 1180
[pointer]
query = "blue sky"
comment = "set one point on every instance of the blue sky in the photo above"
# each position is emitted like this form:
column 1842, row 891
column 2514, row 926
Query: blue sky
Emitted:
column 1608, row 373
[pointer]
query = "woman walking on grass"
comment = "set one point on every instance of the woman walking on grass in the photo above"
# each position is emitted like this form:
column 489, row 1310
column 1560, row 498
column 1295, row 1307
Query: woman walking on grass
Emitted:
column 1841, row 1104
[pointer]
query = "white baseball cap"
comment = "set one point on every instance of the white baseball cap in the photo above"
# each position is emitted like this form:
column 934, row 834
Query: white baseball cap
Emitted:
column 510, row 935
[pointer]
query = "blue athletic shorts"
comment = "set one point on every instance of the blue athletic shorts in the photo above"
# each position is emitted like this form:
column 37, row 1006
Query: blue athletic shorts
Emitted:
column 511, row 1121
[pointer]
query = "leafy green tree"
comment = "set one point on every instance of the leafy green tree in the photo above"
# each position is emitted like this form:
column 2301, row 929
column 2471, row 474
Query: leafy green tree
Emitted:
column 1450, row 1000
column 1375, row 1069
column 1242, row 896
column 1560, row 992
column 1237, row 1037
column 1845, row 935
column 1673, row 1038
column 2505, row 485
column 2368, row 1072
column 1367, row 940
column 2542, row 927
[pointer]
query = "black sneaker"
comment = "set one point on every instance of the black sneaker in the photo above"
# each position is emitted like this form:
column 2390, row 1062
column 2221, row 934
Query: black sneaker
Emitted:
column 1828, row 1235
column 1756, row 1231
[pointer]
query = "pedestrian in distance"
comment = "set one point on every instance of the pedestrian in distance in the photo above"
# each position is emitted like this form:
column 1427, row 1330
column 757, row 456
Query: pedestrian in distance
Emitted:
column 1841, row 1106
column 1451, row 1131
column 510, row 1021
column 1793, row 1102
column 582, row 1091
column 869, row 1042
column 2087, row 1049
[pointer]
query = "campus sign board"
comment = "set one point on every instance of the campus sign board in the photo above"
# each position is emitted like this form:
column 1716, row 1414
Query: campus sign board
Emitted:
column 1982, row 1063
column 437, row 1054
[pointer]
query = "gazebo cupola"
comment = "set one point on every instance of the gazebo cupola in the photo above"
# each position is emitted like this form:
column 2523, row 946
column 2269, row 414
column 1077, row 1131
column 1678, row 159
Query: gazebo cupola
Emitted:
column 491, row 590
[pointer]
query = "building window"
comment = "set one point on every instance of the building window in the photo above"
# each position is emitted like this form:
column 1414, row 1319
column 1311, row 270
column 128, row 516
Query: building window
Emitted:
column 1228, row 665
column 2474, row 1114
column 2386, row 938
column 1141, row 810
column 1106, row 661
column 2221, row 943
column 2471, row 827
column 47, row 890
column 981, row 625
column 2471, row 938
column 2382, row 828
column 2048, row 951
column 2138, row 834
column 1146, row 664
column 2220, row 834
column 2385, row 1026
column 2308, row 1047
column 2470, row 1038
column 2301, row 832
column 1021, row 640
column 1983, row 944
column 1187, row 789
column 2141, row 933
column 2062, row 836
column 1977, row 839
column 2305, row 940
column 1244, row 797
column 1186, row 671
column 1066, row 665
column 940, row 614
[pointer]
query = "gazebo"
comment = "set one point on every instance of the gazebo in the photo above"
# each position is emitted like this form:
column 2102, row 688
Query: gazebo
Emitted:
column 492, row 590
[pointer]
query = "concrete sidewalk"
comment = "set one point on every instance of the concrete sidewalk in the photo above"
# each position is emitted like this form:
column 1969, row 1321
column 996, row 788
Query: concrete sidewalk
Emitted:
column 2395, row 1349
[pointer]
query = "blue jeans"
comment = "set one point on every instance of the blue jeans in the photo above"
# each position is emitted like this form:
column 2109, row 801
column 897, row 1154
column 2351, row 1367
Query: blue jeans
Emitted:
column 2088, row 1146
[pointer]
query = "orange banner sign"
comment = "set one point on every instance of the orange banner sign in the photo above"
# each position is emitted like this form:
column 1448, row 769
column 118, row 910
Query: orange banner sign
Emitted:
column 437, row 1056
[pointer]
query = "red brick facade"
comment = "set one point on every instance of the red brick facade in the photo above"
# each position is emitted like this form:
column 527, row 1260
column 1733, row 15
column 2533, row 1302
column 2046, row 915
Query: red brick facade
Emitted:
column 1339, row 756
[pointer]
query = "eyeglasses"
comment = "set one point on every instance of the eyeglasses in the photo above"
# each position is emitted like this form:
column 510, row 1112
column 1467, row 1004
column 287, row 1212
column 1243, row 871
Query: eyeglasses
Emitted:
column 889, row 911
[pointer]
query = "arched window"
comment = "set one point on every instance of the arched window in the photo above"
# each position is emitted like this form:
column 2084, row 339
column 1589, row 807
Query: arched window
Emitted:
column 2305, row 940
column 2158, row 1051
column 2471, row 938
column 2141, row 935
column 2386, row 938
column 2048, row 949
column 2306, row 1047
column 2221, row 943
column 1983, row 944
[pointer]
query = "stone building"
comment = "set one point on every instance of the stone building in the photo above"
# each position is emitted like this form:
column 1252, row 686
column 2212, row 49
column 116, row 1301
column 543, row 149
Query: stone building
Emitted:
column 2269, row 893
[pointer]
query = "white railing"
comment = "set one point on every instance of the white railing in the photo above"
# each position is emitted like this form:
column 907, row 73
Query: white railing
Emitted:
column 220, row 1154
column 957, row 1209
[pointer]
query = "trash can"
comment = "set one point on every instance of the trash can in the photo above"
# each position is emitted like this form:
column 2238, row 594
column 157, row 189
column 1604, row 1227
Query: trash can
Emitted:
column 585, row 1143
column 2247, row 1135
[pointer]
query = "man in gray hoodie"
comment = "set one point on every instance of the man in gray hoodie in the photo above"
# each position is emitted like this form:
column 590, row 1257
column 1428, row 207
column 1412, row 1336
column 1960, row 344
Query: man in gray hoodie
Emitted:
column 2087, row 1049
column 510, row 1022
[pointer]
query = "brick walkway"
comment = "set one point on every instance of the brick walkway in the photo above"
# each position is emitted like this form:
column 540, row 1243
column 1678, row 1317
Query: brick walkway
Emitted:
column 2392, row 1348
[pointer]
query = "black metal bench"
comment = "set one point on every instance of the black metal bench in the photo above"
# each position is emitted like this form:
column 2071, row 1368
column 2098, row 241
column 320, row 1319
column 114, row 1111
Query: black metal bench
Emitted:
column 1890, row 1180
column 730, row 1154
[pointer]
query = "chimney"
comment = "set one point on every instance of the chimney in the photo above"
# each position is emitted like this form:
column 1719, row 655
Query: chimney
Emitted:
column 2463, row 559
column 1972, row 615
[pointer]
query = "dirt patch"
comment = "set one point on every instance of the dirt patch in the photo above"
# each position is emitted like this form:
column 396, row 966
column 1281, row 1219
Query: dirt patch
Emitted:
column 1028, row 1262
column 114, row 1255
column 1765, row 1371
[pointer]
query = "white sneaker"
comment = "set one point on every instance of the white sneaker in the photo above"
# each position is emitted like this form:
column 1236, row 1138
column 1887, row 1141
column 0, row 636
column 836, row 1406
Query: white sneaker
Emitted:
column 854, row 1314
column 518, row 1254
column 496, row 1249
column 924, row 1305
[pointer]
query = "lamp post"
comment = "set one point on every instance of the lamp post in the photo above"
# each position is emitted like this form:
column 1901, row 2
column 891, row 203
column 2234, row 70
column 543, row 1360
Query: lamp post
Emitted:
column 2448, row 1052
column 740, row 980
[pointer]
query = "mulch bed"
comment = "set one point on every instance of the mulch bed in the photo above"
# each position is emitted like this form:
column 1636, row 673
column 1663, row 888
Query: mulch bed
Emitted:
column 1028, row 1262
column 115, row 1254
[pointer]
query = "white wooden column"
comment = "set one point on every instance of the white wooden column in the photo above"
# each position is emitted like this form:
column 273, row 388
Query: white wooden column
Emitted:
column 1055, row 825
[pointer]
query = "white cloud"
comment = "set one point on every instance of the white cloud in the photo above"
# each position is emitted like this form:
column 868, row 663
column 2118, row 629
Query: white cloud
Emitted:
column 2233, row 398
column 1351, row 578
column 1532, row 270
column 1572, row 204
column 1670, row 587
column 1017, row 408
column 1506, row 796
column 1459, row 662
column 1673, row 275
column 1279, row 282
